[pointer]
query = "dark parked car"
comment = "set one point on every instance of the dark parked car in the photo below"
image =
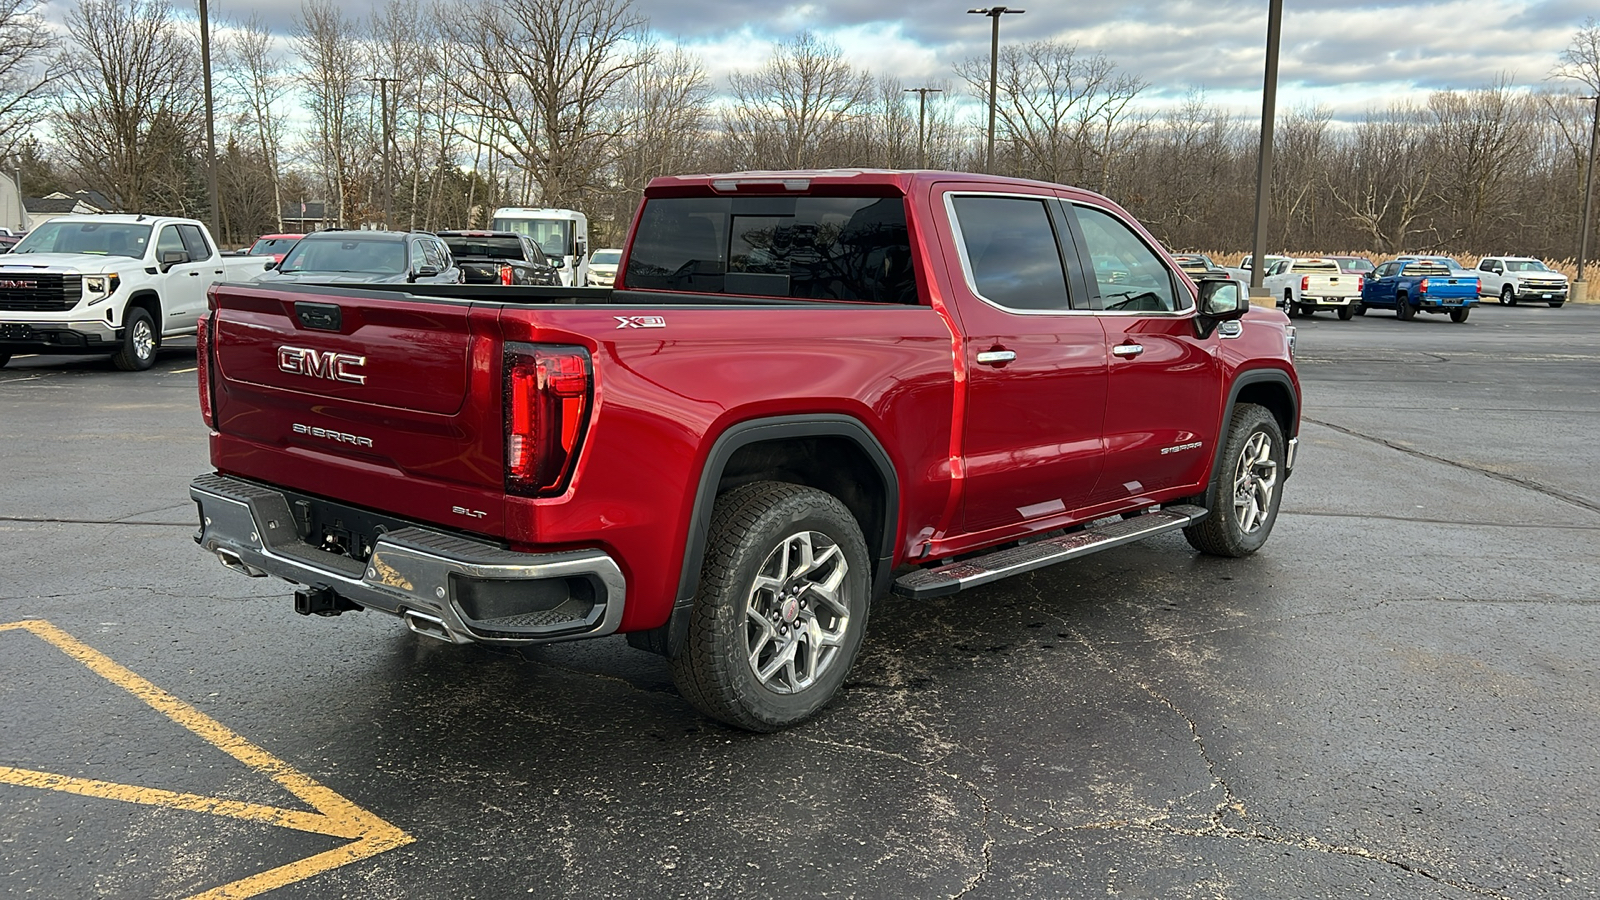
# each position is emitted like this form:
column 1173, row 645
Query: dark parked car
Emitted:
column 367, row 257
column 500, row 257
column 1196, row 264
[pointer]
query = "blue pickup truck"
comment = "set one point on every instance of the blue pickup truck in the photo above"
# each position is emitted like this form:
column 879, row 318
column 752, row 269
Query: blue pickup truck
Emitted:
column 1410, row 286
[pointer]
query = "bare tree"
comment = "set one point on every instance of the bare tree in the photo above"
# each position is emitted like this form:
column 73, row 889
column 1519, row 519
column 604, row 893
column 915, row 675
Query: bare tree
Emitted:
column 793, row 110
column 1581, row 60
column 545, row 74
column 1383, row 178
column 259, row 77
column 333, row 59
column 666, row 102
column 1062, row 116
column 1299, row 163
column 1483, row 139
column 132, row 121
column 27, row 71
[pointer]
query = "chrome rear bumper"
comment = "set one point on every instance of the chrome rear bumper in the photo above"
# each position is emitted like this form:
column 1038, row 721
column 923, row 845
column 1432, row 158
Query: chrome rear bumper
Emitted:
column 461, row 589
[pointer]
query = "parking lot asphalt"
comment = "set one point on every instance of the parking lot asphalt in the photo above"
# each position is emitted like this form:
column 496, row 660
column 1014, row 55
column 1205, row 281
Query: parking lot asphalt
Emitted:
column 1398, row 697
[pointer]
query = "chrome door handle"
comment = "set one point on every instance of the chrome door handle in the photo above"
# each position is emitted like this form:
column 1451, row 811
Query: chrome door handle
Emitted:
column 996, row 357
column 1128, row 350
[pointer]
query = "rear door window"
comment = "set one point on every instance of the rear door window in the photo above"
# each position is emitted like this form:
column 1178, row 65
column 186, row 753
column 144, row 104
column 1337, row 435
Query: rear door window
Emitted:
column 819, row 248
column 1012, row 254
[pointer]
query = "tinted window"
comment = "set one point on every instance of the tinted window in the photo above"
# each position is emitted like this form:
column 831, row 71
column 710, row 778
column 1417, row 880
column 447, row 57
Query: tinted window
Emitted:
column 382, row 257
column 1130, row 274
column 553, row 235
column 821, row 248
column 194, row 241
column 168, row 241
column 1012, row 255
column 491, row 247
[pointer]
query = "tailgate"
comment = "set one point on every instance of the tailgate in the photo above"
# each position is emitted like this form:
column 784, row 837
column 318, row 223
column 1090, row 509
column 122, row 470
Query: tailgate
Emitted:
column 378, row 400
column 1333, row 286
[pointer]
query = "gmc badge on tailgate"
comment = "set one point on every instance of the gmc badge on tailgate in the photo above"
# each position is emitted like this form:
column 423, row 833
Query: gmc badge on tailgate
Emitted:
column 322, row 364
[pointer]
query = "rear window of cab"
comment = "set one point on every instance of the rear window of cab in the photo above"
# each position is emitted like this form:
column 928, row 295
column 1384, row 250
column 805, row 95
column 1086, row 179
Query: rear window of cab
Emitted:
column 817, row 248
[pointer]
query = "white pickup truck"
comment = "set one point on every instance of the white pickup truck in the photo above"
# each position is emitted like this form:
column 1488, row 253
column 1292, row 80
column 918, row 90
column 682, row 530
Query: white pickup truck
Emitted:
column 1307, row 284
column 1520, row 278
column 116, row 284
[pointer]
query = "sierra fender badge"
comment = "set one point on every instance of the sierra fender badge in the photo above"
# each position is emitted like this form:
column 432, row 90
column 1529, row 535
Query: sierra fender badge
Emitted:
column 322, row 364
column 641, row 321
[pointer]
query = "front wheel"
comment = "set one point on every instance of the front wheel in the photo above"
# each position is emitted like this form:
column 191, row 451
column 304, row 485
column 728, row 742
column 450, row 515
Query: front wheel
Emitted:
column 781, row 610
column 1508, row 297
column 139, row 342
column 1346, row 312
column 1460, row 315
column 1245, row 491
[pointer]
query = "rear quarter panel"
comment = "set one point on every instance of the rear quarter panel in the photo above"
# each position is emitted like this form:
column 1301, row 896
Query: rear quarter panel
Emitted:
column 664, row 395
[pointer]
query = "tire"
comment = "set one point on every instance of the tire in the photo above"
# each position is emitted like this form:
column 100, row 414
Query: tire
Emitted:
column 1346, row 313
column 1403, row 309
column 139, row 342
column 753, row 603
column 1359, row 308
column 4, row 358
column 1253, row 466
column 1507, row 297
column 1460, row 315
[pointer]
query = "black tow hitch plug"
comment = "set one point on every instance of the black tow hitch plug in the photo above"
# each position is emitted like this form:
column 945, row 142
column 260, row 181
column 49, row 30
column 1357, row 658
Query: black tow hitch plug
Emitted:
column 321, row 601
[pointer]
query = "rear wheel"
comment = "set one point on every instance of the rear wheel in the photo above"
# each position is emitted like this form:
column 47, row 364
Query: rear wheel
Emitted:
column 1346, row 312
column 1403, row 309
column 1360, row 308
column 1460, row 315
column 139, row 342
column 1245, row 491
column 781, row 610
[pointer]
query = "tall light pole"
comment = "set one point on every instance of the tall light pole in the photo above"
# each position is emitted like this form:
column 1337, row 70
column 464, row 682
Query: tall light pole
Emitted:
column 1580, row 287
column 1269, row 106
column 994, row 12
column 922, row 110
column 388, row 184
column 211, row 122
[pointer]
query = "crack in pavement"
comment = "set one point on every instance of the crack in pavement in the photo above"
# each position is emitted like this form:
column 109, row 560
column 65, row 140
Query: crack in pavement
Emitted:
column 39, row 520
column 1230, row 801
column 1525, row 483
column 1424, row 521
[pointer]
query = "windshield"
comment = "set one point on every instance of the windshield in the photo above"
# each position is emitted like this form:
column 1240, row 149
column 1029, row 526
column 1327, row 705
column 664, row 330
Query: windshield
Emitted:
column 554, row 236
column 383, row 257
column 1525, row 265
column 99, row 238
column 606, row 257
column 267, row 246
column 480, row 247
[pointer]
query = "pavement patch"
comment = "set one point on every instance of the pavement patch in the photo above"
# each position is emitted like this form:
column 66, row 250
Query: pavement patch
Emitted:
column 334, row 815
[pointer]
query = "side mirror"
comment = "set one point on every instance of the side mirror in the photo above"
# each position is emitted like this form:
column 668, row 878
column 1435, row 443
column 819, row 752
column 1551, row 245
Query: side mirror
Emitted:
column 425, row 272
column 271, row 264
column 173, row 258
column 1220, row 301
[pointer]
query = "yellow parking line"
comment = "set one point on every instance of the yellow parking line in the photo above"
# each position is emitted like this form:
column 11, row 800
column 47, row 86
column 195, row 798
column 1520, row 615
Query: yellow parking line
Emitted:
column 335, row 816
column 181, row 371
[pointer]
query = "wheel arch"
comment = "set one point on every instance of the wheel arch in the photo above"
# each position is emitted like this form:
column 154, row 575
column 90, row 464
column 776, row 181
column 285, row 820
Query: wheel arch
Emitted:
column 1268, row 388
column 149, row 301
column 831, row 452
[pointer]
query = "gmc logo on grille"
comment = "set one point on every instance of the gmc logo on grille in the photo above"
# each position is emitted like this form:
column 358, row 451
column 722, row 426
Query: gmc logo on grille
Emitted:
column 322, row 364
column 18, row 285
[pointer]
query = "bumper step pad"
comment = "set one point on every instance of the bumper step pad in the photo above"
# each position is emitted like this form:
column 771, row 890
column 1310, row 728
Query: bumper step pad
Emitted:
column 980, row 570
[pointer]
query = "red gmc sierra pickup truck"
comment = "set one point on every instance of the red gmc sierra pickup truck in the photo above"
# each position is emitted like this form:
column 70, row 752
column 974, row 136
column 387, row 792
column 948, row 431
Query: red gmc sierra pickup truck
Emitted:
column 806, row 389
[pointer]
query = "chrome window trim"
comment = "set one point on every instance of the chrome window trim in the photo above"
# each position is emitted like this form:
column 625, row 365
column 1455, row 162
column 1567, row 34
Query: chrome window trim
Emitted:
column 966, row 261
column 1194, row 301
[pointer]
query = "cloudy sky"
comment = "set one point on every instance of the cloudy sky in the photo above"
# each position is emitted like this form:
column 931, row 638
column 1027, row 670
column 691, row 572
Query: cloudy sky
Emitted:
column 1345, row 56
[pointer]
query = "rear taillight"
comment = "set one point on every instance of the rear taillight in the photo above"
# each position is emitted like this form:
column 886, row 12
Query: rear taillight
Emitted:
column 548, row 393
column 1360, row 282
column 202, row 358
column 1305, row 283
column 505, row 274
column 1422, row 286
